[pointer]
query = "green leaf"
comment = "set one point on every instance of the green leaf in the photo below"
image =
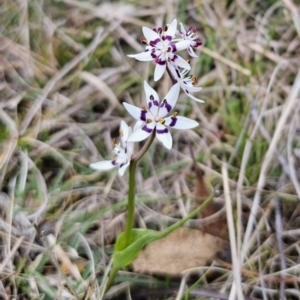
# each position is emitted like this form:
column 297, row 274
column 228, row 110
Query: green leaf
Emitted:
column 123, row 257
column 139, row 238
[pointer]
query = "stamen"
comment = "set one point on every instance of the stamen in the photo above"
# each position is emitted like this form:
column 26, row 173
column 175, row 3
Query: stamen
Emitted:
column 149, row 121
column 175, row 114
column 162, row 121
column 114, row 141
column 144, row 41
column 188, row 61
column 121, row 132
column 194, row 80
column 144, row 108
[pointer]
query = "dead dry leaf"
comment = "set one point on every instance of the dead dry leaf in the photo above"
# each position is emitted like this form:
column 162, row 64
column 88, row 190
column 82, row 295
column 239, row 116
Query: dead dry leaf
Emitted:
column 181, row 250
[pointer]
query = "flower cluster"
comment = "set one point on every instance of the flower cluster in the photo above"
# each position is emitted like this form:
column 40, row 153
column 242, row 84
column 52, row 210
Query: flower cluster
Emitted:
column 162, row 45
column 122, row 150
column 153, row 116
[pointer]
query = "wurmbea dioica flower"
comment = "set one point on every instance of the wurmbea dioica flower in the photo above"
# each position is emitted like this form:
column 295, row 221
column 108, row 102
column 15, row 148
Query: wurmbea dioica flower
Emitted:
column 188, row 84
column 123, row 151
column 189, row 36
column 161, row 48
column 152, row 117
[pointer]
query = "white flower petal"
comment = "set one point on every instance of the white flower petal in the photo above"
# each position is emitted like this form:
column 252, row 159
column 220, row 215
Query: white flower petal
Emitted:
column 142, row 133
column 151, row 98
column 173, row 71
column 143, row 56
column 130, row 148
column 183, row 45
column 125, row 130
column 164, row 135
column 171, row 29
column 182, row 29
column 123, row 168
column 169, row 101
column 150, row 34
column 102, row 165
column 191, row 52
column 138, row 125
column 180, row 62
column 159, row 71
column 137, row 112
column 179, row 122
column 191, row 88
column 193, row 97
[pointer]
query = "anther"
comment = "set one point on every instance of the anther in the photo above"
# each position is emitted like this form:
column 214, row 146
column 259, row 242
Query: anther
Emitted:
column 143, row 41
column 194, row 80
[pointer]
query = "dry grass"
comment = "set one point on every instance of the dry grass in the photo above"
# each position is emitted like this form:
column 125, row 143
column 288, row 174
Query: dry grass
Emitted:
column 64, row 76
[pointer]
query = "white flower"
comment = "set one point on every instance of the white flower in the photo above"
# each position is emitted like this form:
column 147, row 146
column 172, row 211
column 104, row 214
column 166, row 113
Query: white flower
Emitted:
column 152, row 117
column 187, row 84
column 189, row 36
column 161, row 48
column 122, row 150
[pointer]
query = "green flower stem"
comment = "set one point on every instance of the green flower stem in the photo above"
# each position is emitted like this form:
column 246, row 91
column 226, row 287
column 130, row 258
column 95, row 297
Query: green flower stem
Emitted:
column 130, row 205
column 131, row 191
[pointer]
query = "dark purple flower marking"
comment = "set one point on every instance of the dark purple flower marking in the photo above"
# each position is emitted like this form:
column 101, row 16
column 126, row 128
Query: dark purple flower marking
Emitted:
column 153, row 55
column 153, row 43
column 114, row 163
column 154, row 102
column 160, row 61
column 162, row 131
column 145, row 128
column 143, row 115
column 173, row 122
column 172, row 48
column 159, row 30
column 121, row 165
column 166, row 105
column 192, row 29
column 174, row 57
column 197, row 43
